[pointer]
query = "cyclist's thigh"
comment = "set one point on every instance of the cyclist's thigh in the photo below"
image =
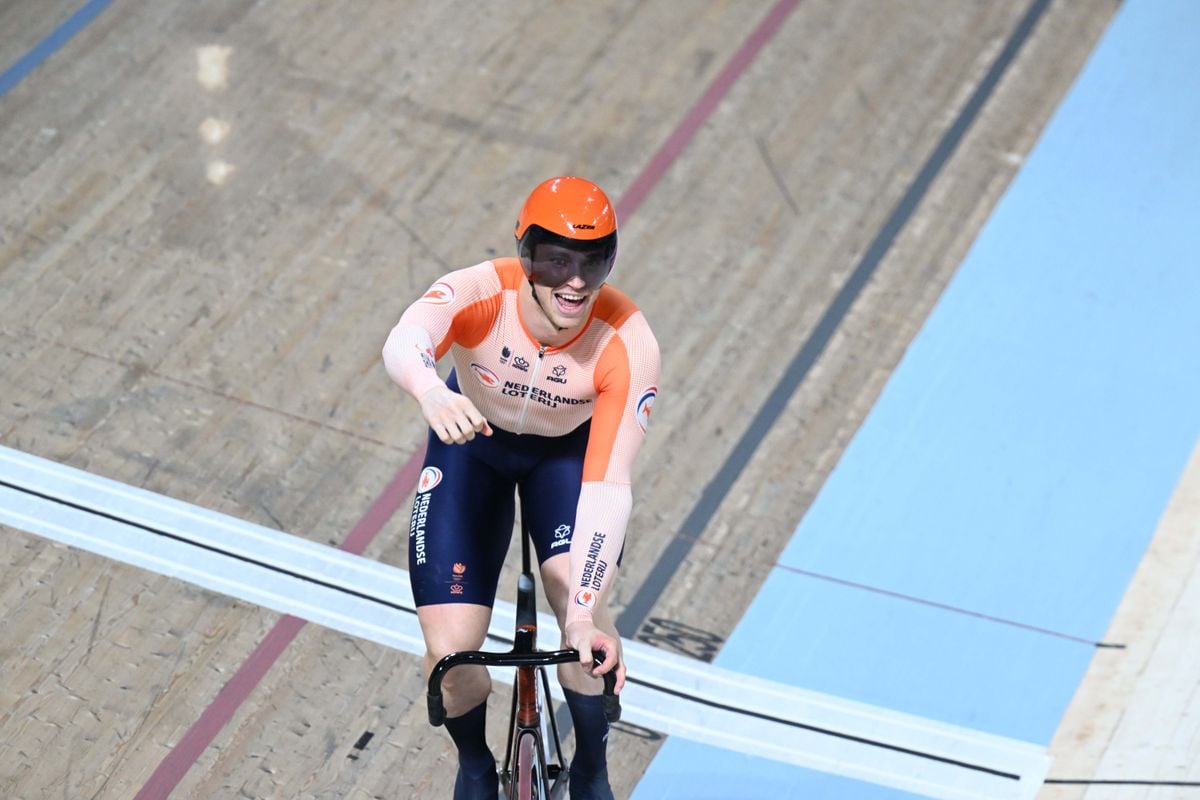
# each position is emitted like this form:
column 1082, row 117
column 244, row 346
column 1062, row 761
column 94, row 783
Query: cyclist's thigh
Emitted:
column 550, row 494
column 460, row 526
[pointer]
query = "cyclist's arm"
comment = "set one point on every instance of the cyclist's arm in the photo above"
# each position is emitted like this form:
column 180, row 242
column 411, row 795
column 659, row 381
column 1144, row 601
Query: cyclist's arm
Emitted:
column 410, row 358
column 626, row 381
column 456, row 305
column 460, row 307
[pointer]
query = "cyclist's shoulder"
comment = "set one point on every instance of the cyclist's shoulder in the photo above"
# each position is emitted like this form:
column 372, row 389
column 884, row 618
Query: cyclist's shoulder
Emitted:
column 618, row 310
column 508, row 271
column 632, row 342
column 485, row 276
column 467, row 285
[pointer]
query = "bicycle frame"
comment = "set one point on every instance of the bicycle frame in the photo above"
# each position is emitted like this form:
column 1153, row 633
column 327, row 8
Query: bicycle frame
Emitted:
column 528, row 772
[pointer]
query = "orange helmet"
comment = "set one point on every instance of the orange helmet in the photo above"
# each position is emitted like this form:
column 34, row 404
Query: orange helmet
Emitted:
column 572, row 214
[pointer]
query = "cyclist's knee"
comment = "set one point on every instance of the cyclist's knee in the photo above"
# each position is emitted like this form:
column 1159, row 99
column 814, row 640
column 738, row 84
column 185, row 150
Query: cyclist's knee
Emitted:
column 453, row 627
column 463, row 688
column 572, row 676
column 441, row 645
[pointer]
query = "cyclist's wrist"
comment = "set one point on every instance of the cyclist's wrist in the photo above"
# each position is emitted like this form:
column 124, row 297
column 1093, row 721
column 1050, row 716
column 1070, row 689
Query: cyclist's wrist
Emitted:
column 576, row 618
column 427, row 389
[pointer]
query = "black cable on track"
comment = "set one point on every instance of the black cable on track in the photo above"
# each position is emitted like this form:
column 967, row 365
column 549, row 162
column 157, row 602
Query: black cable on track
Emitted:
column 210, row 548
column 825, row 731
column 494, row 637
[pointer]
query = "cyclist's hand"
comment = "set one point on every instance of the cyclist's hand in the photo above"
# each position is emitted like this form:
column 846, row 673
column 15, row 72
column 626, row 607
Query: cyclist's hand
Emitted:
column 452, row 416
column 588, row 639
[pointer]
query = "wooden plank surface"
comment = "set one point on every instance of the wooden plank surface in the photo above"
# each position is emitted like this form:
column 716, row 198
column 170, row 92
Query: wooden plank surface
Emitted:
column 1134, row 718
column 213, row 332
column 25, row 25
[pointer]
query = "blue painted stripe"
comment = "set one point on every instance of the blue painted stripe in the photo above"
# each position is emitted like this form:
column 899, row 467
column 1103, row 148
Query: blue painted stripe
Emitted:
column 1018, row 460
column 48, row 46
column 686, row 770
column 639, row 606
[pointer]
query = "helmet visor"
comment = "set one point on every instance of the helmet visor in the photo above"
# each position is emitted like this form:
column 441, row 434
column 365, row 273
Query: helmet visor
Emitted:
column 552, row 260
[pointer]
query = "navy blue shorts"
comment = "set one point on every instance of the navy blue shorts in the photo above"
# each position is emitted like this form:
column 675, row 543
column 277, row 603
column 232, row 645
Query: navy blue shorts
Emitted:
column 463, row 513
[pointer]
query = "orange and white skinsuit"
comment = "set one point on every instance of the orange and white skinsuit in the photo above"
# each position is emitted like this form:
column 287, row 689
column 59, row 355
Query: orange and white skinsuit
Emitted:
column 607, row 374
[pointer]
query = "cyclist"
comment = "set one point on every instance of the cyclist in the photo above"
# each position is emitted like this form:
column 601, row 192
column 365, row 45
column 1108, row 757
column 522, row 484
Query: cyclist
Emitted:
column 554, row 376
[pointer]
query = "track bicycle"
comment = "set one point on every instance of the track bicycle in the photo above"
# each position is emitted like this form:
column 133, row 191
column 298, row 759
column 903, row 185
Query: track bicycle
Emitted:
column 534, row 767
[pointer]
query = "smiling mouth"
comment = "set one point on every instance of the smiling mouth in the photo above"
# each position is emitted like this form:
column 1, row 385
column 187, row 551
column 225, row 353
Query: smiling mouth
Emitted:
column 569, row 303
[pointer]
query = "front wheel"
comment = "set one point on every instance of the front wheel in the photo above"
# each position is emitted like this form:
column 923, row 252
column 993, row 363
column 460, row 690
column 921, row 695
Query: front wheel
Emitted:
column 528, row 786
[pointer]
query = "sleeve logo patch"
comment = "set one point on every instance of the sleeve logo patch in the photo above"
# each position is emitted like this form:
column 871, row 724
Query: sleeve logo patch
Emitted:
column 439, row 294
column 585, row 598
column 644, row 404
column 430, row 477
column 485, row 375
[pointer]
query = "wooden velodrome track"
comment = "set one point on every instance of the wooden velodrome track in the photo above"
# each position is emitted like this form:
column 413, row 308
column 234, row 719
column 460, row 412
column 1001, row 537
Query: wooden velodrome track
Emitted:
column 212, row 214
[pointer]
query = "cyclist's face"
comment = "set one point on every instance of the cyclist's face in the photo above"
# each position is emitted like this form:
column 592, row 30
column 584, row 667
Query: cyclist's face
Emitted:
column 569, row 301
column 554, row 266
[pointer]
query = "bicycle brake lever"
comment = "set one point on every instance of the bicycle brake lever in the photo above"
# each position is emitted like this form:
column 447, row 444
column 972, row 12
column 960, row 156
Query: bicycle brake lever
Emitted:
column 612, row 703
column 437, row 710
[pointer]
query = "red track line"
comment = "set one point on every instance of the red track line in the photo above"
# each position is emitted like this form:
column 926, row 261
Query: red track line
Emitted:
column 683, row 133
column 184, row 754
column 385, row 505
column 188, row 750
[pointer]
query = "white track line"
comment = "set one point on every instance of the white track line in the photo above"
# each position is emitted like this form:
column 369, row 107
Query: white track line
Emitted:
column 373, row 601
